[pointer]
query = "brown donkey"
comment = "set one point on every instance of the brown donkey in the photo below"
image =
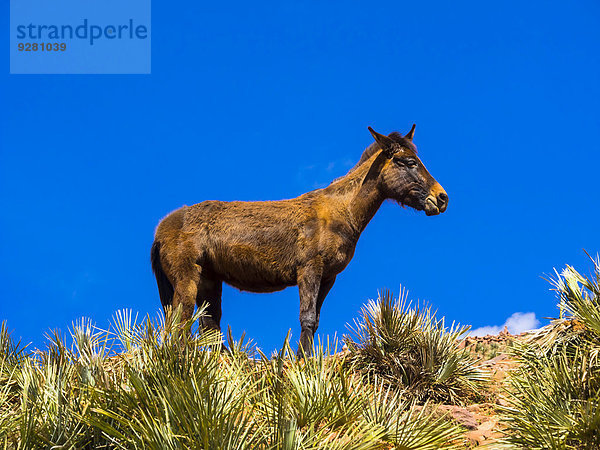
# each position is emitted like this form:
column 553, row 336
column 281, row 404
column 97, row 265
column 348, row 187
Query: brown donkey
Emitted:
column 305, row 241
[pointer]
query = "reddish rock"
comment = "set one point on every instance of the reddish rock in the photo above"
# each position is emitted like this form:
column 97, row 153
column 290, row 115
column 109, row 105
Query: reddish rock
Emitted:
column 461, row 415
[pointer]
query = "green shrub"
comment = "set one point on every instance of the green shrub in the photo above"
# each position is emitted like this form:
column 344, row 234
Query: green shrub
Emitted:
column 12, row 357
column 555, row 394
column 413, row 351
column 160, row 385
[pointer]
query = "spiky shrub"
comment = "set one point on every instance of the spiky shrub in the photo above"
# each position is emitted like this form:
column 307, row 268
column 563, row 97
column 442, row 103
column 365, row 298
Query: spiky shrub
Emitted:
column 311, row 403
column 321, row 403
column 55, row 390
column 161, row 385
column 175, row 391
column 555, row 394
column 414, row 351
column 12, row 356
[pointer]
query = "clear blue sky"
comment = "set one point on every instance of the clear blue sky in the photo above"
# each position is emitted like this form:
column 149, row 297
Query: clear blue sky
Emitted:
column 257, row 101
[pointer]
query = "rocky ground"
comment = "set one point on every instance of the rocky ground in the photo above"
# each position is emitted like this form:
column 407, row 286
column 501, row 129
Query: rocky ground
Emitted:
column 482, row 420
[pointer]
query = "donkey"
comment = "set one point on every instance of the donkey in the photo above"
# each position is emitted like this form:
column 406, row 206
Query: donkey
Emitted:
column 270, row 245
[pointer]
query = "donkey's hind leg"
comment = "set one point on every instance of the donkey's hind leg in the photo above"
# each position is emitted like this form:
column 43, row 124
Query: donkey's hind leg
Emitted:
column 209, row 291
column 186, row 288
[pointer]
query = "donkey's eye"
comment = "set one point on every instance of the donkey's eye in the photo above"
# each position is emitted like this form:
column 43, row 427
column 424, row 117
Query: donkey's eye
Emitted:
column 410, row 163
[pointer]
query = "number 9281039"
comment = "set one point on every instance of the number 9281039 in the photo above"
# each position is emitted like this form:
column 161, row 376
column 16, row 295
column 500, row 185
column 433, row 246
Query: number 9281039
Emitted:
column 42, row 47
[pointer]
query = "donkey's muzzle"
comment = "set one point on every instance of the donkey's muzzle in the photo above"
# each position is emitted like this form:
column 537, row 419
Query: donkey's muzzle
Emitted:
column 436, row 202
column 442, row 201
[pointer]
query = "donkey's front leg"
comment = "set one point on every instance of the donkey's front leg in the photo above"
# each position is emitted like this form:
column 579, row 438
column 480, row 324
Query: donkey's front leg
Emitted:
column 309, row 281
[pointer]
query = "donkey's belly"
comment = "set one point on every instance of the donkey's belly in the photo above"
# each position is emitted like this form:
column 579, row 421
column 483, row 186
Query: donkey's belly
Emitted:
column 256, row 287
column 247, row 280
column 253, row 271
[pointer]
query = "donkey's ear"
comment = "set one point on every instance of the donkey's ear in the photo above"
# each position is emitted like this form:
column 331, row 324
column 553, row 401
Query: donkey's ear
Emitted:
column 411, row 134
column 384, row 142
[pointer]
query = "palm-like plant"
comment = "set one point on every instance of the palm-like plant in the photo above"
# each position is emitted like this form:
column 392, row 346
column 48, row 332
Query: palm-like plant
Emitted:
column 161, row 384
column 313, row 403
column 176, row 391
column 414, row 351
column 406, row 424
column 55, row 390
column 12, row 357
column 322, row 402
column 555, row 394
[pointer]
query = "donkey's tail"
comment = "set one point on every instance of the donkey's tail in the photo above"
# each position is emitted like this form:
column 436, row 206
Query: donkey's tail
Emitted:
column 165, row 288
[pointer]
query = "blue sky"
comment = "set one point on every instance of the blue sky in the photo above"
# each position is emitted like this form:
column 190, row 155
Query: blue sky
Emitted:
column 257, row 101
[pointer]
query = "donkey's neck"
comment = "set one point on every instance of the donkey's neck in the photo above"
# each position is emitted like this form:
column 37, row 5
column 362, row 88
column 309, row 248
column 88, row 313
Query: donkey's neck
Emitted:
column 360, row 191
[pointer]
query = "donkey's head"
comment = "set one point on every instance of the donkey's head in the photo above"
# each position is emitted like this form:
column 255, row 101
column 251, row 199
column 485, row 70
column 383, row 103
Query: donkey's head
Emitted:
column 404, row 177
